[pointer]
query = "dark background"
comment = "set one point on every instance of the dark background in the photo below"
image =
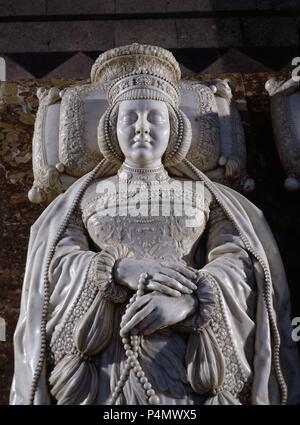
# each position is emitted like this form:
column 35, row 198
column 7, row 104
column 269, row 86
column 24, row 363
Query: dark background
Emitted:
column 248, row 41
column 55, row 38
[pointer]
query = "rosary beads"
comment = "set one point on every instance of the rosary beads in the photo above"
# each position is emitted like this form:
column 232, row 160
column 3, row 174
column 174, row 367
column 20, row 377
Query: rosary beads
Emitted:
column 131, row 345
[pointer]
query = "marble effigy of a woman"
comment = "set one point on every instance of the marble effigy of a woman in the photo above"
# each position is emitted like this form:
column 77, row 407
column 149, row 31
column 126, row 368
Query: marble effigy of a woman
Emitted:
column 139, row 308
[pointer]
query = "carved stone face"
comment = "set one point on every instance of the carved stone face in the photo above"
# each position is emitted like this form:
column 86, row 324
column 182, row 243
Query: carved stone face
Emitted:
column 143, row 130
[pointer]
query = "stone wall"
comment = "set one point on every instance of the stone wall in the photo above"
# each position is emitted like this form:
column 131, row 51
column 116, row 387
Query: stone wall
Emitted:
column 18, row 105
column 46, row 38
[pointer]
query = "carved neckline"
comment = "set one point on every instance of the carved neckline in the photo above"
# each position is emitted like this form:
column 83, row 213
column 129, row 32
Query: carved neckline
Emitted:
column 137, row 175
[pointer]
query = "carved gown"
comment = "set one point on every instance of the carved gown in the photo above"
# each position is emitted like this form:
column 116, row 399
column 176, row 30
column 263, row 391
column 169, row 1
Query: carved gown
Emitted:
column 168, row 357
column 222, row 354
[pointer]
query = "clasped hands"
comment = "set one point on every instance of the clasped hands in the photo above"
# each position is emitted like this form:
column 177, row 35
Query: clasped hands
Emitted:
column 169, row 299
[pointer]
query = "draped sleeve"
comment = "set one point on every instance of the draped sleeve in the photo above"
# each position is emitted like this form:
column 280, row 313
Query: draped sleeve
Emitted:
column 220, row 354
column 81, row 316
column 81, row 295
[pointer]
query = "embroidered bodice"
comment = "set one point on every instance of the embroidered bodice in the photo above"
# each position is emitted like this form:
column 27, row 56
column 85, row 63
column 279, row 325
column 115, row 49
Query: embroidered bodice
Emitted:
column 166, row 228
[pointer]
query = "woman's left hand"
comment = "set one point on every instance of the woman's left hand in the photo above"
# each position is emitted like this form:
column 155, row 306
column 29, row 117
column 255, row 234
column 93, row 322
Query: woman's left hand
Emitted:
column 155, row 311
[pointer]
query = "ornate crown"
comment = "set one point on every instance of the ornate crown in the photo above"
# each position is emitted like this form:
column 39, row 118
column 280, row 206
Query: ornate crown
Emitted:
column 138, row 71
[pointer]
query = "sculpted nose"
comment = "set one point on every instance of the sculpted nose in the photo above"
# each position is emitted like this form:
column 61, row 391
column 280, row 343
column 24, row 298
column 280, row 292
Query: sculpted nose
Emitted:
column 142, row 127
column 142, row 131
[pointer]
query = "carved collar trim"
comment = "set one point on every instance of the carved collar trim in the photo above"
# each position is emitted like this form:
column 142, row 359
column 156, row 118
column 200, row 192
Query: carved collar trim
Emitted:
column 149, row 176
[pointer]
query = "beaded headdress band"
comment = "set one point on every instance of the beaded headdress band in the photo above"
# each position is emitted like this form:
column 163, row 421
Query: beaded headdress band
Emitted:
column 138, row 71
column 142, row 85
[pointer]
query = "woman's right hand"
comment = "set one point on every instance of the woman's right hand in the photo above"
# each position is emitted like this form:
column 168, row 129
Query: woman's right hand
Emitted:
column 167, row 278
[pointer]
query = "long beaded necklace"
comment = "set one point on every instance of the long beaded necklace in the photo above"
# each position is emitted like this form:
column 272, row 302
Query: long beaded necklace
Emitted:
column 131, row 345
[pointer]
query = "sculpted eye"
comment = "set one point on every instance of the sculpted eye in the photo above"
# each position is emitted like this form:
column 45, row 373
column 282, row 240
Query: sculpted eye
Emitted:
column 128, row 118
column 156, row 118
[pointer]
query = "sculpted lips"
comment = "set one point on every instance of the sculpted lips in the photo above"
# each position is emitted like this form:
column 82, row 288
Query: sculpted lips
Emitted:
column 141, row 141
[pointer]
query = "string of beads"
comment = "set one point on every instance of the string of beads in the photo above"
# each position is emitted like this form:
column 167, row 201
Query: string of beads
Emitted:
column 268, row 282
column 46, row 284
column 131, row 345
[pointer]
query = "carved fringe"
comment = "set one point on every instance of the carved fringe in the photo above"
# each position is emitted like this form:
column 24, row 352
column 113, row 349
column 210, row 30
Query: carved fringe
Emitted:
column 206, row 368
column 222, row 398
column 205, row 362
column 74, row 380
column 93, row 332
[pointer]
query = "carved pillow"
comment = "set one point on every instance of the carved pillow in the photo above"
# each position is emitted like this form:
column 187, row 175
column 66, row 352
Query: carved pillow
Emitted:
column 65, row 138
column 81, row 110
column 199, row 104
column 48, row 180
